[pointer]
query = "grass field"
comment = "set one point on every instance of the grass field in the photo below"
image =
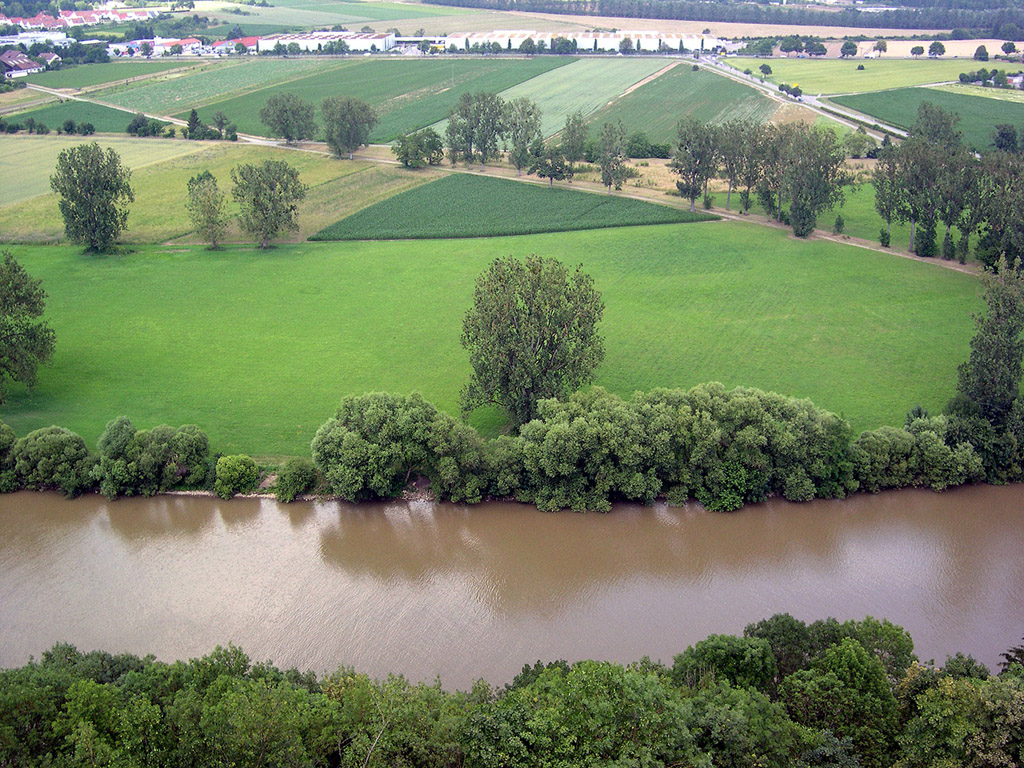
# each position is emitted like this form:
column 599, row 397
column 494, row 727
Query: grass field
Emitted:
column 310, row 13
column 407, row 94
column 31, row 160
column 258, row 348
column 978, row 115
column 104, row 119
column 460, row 205
column 214, row 82
column 96, row 74
column 657, row 107
column 829, row 76
column 1001, row 94
column 159, row 178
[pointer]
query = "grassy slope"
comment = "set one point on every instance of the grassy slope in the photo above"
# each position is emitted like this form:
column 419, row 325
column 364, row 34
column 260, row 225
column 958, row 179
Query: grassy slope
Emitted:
column 258, row 347
column 86, row 75
column 842, row 76
column 212, row 83
column 31, row 160
column 408, row 94
column 337, row 188
column 104, row 119
column 978, row 115
column 657, row 107
column 463, row 206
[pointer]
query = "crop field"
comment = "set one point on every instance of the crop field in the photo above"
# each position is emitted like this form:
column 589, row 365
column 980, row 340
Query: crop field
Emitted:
column 104, row 119
column 657, row 107
column 460, row 205
column 214, row 82
column 371, row 11
column 87, row 75
column 258, row 347
column 336, row 188
column 407, row 94
column 1000, row 94
column 31, row 160
column 831, row 76
column 978, row 115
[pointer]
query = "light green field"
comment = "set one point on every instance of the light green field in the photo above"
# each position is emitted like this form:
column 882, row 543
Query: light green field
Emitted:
column 978, row 115
column 31, row 160
column 336, row 188
column 310, row 13
column 657, row 107
column 86, row 75
column 214, row 83
column 258, row 348
column 104, row 119
column 999, row 94
column 586, row 84
column 830, row 76
column 407, row 94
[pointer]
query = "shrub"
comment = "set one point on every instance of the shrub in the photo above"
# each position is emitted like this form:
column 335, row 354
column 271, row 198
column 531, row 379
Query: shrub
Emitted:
column 884, row 238
column 296, row 477
column 839, row 226
column 236, row 474
column 745, row 662
column 53, row 458
column 146, row 462
column 8, row 478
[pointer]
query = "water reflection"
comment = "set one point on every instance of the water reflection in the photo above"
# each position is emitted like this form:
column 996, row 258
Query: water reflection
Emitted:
column 399, row 586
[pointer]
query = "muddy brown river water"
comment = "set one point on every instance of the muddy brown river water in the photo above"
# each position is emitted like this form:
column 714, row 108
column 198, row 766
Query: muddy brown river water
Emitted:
column 468, row 592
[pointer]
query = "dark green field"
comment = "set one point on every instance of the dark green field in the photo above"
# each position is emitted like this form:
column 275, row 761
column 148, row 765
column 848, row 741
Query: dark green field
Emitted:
column 104, row 119
column 259, row 347
column 406, row 94
column 85, row 75
column 461, row 205
column 978, row 115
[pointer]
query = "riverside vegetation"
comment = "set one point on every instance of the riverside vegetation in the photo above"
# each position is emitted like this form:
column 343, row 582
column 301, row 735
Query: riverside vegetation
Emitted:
column 783, row 694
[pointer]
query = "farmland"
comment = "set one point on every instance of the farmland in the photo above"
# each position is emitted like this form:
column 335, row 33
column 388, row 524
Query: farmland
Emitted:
column 978, row 115
column 407, row 94
column 859, row 332
column 85, row 76
column 460, row 205
column 831, row 76
column 656, row 107
column 337, row 187
column 104, row 119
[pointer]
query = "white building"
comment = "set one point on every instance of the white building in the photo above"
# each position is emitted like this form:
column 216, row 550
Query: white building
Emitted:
column 315, row 41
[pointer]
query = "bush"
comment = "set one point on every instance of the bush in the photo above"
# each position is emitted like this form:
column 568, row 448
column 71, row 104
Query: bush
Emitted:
column 745, row 662
column 884, row 238
column 8, row 479
column 236, row 474
column 53, row 458
column 839, row 226
column 296, row 477
column 146, row 462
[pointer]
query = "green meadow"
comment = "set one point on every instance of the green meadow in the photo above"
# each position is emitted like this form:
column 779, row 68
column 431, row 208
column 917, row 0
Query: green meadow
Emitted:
column 84, row 76
column 104, row 119
column 657, row 107
column 408, row 94
column 460, row 205
column 258, row 347
column 978, row 115
column 831, row 76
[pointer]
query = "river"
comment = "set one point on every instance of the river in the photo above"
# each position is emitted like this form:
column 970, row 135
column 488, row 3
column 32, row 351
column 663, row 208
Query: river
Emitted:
column 467, row 592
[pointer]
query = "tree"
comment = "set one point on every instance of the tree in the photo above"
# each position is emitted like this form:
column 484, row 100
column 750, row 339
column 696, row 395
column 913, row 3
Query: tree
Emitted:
column 695, row 159
column 936, row 49
column 176, row 49
column 416, row 150
column 193, row 129
column 626, row 46
column 917, row 50
column 241, row 48
column 289, row 117
column 890, row 194
column 765, row 70
column 791, row 44
column 347, row 124
column 815, row 176
column 25, row 341
column 522, row 122
column 816, row 49
column 531, row 334
column 981, row 53
column 221, row 121
column 849, row 49
column 612, row 151
column 205, row 205
column 475, row 125
column 1004, row 138
column 990, row 379
column 881, row 46
column 1009, row 47
column 574, row 136
column 95, row 192
column 550, row 164
column 268, row 195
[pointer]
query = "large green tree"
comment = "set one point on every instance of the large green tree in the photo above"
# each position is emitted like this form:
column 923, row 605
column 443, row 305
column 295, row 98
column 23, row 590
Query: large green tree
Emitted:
column 574, row 136
column 522, row 122
column 268, row 196
column 531, row 334
column 347, row 124
column 612, row 155
column 94, row 190
column 289, row 116
column 25, row 341
column 696, row 158
column 205, row 204
column 815, row 176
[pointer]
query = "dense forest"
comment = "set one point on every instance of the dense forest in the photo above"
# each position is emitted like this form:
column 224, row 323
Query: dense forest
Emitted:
column 933, row 16
column 784, row 694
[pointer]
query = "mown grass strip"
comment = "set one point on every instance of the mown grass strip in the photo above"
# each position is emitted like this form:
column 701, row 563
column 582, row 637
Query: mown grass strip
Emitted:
column 461, row 205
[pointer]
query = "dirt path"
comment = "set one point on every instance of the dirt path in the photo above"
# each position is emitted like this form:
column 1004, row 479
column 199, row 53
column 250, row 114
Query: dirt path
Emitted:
column 646, row 80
